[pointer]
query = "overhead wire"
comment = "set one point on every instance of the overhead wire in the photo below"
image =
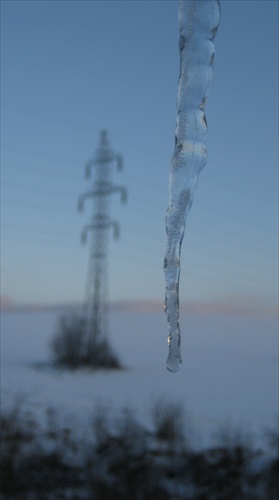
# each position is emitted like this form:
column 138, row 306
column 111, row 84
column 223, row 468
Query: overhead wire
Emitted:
column 152, row 210
column 209, row 207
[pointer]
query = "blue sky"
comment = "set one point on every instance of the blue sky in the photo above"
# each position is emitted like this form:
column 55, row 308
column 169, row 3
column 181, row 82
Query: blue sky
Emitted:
column 70, row 69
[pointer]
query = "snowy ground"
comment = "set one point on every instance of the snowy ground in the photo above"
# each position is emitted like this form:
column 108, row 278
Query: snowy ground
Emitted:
column 229, row 374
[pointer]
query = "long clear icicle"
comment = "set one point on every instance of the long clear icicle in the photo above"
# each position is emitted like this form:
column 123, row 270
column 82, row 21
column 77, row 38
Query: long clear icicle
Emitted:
column 198, row 21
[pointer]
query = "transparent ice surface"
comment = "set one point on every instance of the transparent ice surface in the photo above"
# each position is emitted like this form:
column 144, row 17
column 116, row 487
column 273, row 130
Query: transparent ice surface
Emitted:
column 198, row 21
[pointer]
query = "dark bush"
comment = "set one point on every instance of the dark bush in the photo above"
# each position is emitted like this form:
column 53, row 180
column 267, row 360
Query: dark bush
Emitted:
column 118, row 459
column 17, row 431
column 271, row 472
column 124, row 467
column 68, row 343
column 72, row 347
column 168, row 422
column 227, row 470
column 223, row 473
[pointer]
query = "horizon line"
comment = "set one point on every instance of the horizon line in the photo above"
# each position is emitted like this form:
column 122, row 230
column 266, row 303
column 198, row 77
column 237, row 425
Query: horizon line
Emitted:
column 231, row 306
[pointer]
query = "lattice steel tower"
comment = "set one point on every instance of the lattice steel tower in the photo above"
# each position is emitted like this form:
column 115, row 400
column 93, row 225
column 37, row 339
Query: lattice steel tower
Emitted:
column 96, row 292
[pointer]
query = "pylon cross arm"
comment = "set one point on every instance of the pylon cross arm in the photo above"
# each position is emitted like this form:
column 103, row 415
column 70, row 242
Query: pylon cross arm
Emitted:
column 120, row 189
column 101, row 225
column 82, row 197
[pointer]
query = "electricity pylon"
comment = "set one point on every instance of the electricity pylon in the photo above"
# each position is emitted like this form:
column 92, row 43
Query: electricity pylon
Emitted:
column 96, row 292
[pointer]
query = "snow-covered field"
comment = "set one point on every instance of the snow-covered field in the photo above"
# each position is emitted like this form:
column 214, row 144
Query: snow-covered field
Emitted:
column 229, row 374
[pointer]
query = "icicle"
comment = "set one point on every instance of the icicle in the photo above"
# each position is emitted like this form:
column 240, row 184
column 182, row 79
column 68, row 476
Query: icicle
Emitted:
column 198, row 22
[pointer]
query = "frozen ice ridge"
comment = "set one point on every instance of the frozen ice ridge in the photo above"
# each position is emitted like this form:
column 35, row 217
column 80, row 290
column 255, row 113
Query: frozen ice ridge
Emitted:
column 198, row 21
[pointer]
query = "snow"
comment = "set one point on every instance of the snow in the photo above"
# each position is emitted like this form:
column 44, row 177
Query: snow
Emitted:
column 229, row 374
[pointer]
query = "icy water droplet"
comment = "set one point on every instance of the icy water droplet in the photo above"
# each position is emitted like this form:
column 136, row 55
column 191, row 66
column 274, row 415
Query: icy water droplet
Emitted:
column 198, row 23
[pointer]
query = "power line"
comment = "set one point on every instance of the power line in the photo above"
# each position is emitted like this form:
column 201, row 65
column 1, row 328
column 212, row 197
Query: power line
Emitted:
column 248, row 240
column 208, row 207
column 37, row 154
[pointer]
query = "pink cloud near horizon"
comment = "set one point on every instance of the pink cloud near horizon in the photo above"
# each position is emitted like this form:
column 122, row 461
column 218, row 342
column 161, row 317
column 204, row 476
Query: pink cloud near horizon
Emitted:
column 241, row 305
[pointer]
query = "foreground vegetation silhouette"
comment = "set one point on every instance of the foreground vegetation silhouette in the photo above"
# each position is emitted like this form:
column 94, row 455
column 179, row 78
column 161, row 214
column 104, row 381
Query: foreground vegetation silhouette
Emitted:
column 121, row 459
